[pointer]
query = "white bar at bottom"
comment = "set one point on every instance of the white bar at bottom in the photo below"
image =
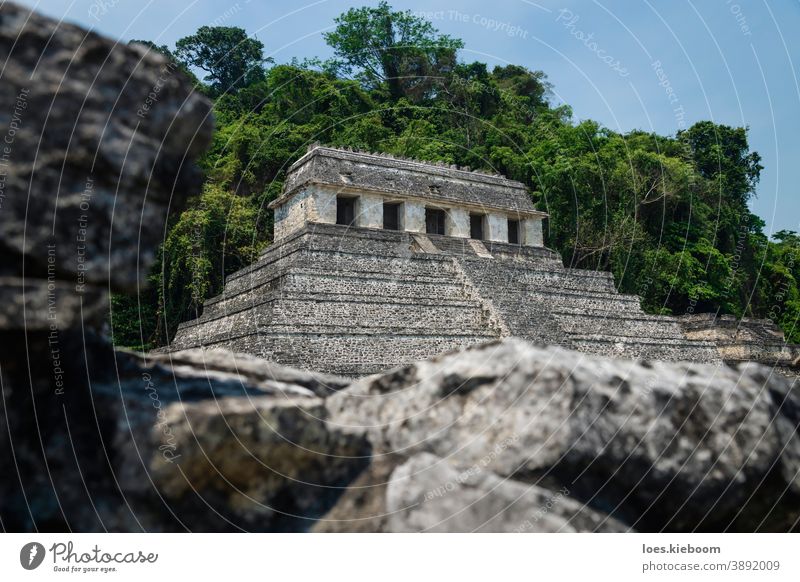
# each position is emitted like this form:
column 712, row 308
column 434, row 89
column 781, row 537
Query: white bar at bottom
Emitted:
column 405, row 557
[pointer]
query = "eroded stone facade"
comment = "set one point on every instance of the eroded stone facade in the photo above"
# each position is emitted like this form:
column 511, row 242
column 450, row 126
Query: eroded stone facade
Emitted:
column 324, row 178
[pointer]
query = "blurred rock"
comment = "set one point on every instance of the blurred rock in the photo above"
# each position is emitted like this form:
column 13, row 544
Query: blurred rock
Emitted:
column 131, row 443
column 34, row 305
column 362, row 506
column 672, row 446
column 258, row 371
column 102, row 139
column 99, row 142
column 428, row 494
column 218, row 451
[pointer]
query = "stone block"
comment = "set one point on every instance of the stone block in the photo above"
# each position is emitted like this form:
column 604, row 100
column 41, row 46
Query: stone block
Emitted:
column 324, row 209
column 496, row 227
column 413, row 216
column 293, row 215
column 532, row 235
column 370, row 211
column 457, row 223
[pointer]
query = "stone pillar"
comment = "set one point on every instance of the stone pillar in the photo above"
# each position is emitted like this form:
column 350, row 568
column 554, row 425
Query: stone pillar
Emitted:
column 413, row 216
column 457, row 223
column 324, row 207
column 496, row 227
column 532, row 235
column 370, row 211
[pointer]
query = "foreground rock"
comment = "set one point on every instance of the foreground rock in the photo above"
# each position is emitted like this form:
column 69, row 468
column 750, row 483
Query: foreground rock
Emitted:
column 84, row 188
column 99, row 142
column 657, row 446
column 142, row 445
column 222, row 448
column 429, row 494
column 222, row 364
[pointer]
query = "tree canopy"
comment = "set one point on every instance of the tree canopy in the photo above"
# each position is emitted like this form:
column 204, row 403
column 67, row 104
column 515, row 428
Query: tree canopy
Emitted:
column 230, row 59
column 398, row 49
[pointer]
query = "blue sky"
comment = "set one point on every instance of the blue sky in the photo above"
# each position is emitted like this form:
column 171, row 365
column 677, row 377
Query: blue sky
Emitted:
column 656, row 65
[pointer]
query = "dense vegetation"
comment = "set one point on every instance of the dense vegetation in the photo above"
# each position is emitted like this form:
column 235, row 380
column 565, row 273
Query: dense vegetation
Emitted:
column 668, row 215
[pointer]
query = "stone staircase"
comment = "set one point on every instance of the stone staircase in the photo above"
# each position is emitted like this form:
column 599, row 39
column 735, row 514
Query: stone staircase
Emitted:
column 582, row 310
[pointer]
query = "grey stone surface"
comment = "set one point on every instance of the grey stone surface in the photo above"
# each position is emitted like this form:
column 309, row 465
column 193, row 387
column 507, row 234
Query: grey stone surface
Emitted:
column 38, row 305
column 355, row 301
column 85, row 183
column 256, row 371
column 133, row 443
column 316, row 183
column 207, row 451
column 745, row 339
column 657, row 445
column 428, row 494
column 383, row 173
column 362, row 506
column 103, row 138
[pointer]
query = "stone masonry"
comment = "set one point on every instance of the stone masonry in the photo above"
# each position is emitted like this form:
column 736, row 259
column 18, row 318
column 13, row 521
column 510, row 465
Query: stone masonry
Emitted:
column 325, row 177
column 371, row 294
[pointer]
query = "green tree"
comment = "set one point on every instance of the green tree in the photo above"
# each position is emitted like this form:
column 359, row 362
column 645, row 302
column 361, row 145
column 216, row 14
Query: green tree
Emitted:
column 230, row 59
column 164, row 50
column 212, row 239
column 531, row 85
column 398, row 49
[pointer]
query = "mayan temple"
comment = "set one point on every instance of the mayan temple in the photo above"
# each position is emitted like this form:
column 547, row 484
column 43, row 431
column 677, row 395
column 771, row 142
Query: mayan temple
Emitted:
column 379, row 261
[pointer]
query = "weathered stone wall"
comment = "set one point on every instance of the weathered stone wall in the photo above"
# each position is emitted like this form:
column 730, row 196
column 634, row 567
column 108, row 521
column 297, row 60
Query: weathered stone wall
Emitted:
column 413, row 216
column 354, row 301
column 324, row 209
column 580, row 309
column 294, row 214
column 373, row 179
column 369, row 213
column 383, row 173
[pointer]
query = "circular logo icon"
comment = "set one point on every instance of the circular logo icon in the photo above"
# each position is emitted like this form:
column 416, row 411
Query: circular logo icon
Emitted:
column 31, row 555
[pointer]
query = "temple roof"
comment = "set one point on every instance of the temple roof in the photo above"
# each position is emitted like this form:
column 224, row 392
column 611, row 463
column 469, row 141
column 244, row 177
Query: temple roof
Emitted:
column 352, row 170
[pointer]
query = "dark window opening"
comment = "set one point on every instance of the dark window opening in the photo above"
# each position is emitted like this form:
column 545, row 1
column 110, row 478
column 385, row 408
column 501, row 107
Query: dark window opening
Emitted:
column 476, row 226
column 434, row 221
column 391, row 215
column 345, row 210
column 513, row 232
